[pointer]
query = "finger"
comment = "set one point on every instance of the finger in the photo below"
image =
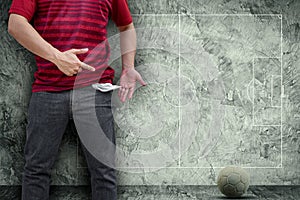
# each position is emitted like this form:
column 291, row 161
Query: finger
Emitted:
column 69, row 74
column 79, row 51
column 80, row 69
column 75, row 71
column 124, row 95
column 140, row 79
column 121, row 92
column 130, row 93
column 86, row 66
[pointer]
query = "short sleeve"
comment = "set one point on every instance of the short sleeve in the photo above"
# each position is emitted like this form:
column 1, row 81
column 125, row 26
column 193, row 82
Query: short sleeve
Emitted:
column 25, row 8
column 120, row 13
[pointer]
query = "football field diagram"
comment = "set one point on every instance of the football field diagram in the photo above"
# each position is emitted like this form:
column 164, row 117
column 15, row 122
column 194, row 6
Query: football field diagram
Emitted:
column 214, row 93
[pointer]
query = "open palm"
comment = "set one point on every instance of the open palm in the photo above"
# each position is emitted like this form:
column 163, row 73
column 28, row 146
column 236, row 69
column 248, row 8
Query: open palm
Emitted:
column 127, row 82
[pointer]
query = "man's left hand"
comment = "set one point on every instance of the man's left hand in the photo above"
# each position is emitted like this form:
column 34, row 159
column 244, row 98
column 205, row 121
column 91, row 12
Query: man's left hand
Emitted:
column 127, row 82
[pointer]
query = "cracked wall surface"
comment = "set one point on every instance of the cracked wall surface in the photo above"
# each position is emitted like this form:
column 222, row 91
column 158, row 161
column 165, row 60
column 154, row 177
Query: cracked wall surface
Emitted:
column 223, row 89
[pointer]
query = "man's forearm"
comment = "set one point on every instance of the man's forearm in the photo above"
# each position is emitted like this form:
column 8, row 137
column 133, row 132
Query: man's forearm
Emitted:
column 129, row 74
column 67, row 61
column 128, row 45
column 28, row 37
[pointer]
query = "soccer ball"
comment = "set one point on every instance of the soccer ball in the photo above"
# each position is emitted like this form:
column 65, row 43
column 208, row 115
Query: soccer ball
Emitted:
column 233, row 181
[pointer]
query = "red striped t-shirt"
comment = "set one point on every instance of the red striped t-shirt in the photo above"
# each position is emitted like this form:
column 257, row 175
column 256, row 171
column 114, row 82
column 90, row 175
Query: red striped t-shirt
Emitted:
column 73, row 24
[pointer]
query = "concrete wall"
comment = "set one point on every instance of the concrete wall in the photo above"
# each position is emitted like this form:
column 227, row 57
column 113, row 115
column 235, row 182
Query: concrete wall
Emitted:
column 223, row 90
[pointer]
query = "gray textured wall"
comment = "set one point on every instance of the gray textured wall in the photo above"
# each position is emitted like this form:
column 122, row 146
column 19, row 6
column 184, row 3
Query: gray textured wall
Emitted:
column 258, row 122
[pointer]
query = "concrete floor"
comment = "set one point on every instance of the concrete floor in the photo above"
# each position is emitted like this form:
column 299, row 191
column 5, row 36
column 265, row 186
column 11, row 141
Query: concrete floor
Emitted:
column 161, row 193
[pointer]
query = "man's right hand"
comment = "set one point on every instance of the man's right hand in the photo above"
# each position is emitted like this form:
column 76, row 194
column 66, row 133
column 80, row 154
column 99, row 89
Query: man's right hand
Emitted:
column 68, row 63
column 27, row 36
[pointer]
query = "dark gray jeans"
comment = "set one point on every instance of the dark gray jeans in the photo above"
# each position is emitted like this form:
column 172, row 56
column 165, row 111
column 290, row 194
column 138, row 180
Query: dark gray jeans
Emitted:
column 48, row 116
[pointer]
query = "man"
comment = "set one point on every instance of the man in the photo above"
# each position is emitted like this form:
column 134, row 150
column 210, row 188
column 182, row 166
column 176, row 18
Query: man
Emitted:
column 64, row 35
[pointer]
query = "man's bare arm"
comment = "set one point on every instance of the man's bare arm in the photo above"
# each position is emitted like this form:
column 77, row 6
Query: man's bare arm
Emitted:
column 129, row 74
column 27, row 36
column 128, row 45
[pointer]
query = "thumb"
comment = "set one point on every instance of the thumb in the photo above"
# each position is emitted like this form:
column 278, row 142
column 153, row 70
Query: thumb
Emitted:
column 79, row 51
column 140, row 79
